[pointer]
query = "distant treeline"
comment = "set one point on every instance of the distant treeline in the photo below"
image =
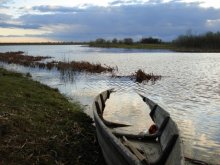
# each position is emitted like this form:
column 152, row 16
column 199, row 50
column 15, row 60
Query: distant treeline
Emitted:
column 127, row 41
column 207, row 41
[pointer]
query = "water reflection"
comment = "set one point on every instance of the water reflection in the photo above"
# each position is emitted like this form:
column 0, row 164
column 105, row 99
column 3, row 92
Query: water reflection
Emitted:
column 68, row 76
column 189, row 90
column 129, row 108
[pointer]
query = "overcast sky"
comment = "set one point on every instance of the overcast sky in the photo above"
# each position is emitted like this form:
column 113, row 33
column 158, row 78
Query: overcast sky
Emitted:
column 84, row 20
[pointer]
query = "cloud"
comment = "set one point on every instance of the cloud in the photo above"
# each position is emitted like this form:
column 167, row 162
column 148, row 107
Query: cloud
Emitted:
column 165, row 20
column 56, row 9
column 213, row 23
column 4, row 17
column 7, row 21
column 2, row 6
column 2, row 2
column 126, row 2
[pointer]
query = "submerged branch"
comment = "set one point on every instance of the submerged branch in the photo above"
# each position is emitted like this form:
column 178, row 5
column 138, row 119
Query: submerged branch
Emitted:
column 141, row 76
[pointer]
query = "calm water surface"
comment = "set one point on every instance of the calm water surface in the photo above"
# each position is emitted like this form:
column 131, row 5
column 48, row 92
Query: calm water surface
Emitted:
column 189, row 89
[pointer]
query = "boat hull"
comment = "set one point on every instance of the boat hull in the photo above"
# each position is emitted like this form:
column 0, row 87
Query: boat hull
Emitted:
column 113, row 150
column 117, row 152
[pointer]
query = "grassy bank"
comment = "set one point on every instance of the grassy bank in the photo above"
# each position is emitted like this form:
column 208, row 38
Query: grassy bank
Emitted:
column 39, row 126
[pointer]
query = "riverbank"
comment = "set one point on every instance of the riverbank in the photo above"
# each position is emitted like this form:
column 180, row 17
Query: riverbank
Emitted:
column 39, row 126
column 162, row 47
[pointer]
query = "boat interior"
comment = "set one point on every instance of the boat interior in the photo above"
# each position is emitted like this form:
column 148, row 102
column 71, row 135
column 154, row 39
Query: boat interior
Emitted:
column 161, row 147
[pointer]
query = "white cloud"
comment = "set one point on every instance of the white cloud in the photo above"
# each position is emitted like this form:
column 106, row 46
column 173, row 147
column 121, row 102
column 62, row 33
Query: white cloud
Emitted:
column 2, row 2
column 204, row 3
column 69, row 3
column 213, row 23
column 105, row 3
column 211, row 3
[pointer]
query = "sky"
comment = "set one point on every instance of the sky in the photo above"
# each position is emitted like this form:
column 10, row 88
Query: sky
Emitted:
column 86, row 20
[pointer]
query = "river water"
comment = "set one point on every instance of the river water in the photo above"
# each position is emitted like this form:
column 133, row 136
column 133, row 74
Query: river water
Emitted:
column 189, row 89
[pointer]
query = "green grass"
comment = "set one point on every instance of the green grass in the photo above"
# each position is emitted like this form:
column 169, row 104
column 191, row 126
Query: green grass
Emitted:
column 39, row 126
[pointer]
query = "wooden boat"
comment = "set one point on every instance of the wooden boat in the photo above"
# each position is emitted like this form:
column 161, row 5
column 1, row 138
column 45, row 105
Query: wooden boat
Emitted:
column 162, row 147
